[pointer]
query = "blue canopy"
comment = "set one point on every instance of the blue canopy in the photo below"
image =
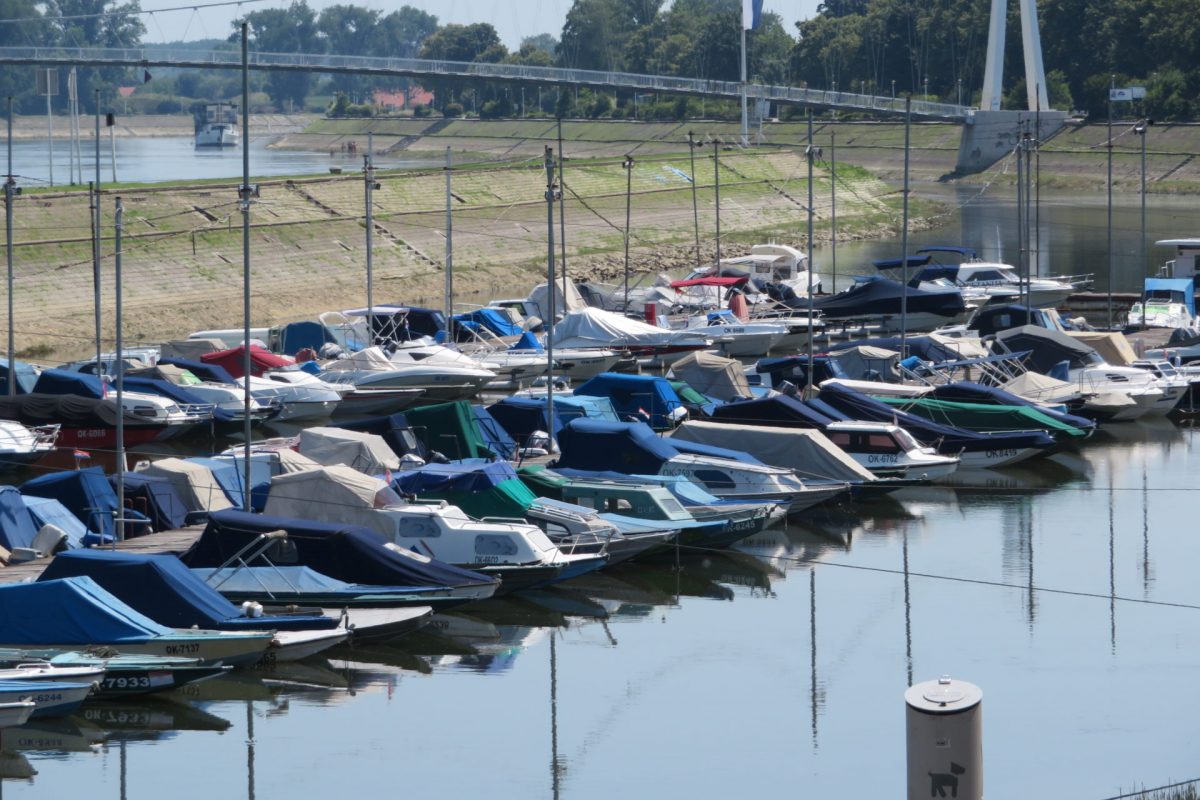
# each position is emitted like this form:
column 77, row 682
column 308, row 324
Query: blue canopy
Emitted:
column 527, row 341
column 347, row 552
column 23, row 375
column 86, row 493
column 697, row 449
column 935, row 272
column 205, row 372
column 625, row 447
column 46, row 511
column 646, row 398
column 948, row 439
column 228, row 476
column 781, row 410
column 154, row 497
column 75, row 611
column 474, row 477
column 794, row 369
column 260, row 478
column 967, row 253
column 880, row 296
column 898, row 263
column 493, row 319
column 1174, row 290
column 161, row 587
column 295, row 336
column 17, row 527
column 990, row 319
column 494, row 435
column 521, row 416
column 61, row 381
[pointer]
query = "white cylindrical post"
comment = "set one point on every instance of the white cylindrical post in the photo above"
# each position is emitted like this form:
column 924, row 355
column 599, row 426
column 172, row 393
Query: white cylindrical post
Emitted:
column 944, row 725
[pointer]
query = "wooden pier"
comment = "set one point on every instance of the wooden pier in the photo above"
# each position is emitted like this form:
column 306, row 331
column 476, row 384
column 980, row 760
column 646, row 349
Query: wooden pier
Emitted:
column 176, row 541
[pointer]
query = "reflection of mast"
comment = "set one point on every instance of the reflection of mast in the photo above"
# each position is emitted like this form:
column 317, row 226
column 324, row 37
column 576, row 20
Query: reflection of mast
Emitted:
column 1027, row 520
column 124, row 786
column 812, row 637
column 1112, row 567
column 908, row 660
column 556, row 767
column 1145, row 535
column 250, row 749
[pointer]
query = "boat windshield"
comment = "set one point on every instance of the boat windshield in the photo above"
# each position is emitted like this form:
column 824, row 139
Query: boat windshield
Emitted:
column 905, row 439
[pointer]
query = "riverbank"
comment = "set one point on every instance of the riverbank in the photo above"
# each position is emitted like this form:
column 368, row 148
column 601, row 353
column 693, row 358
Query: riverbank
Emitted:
column 149, row 125
column 182, row 250
column 1075, row 158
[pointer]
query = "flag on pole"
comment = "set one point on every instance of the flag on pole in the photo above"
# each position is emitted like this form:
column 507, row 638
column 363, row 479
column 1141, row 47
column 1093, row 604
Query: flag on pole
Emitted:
column 751, row 14
column 82, row 454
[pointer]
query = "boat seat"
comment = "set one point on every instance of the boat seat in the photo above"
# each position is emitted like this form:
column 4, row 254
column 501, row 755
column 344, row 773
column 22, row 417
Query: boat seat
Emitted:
column 48, row 541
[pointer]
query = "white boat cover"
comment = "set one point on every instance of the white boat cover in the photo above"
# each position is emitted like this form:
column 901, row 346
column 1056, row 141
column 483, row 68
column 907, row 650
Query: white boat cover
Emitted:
column 594, row 327
column 365, row 452
column 367, row 358
column 572, row 300
column 868, row 363
column 1114, row 348
column 329, row 494
column 807, row 452
column 190, row 349
column 1041, row 388
column 879, row 388
column 713, row 375
column 288, row 461
column 965, row 346
column 194, row 483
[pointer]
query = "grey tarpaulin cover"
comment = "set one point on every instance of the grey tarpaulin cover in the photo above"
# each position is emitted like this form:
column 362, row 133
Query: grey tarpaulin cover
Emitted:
column 365, row 452
column 808, row 452
column 716, row 376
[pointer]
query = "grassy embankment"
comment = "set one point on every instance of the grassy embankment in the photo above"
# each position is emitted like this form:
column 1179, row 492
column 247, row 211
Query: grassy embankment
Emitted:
column 182, row 260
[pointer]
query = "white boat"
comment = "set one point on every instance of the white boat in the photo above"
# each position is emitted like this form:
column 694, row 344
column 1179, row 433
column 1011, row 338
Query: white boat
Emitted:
column 889, row 451
column 216, row 125
column 599, row 329
column 14, row 714
column 372, row 370
column 23, row 444
column 733, row 337
column 983, row 282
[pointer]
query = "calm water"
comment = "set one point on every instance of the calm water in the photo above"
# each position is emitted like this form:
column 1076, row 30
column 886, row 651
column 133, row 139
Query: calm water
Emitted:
column 774, row 670
column 175, row 158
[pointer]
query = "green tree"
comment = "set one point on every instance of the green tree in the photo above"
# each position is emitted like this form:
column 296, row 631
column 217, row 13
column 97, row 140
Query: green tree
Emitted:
column 349, row 30
column 284, row 30
column 476, row 43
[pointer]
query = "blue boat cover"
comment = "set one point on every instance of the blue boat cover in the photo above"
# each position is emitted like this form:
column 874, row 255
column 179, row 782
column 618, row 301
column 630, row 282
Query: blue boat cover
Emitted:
column 46, row 511
column 154, row 497
column 394, row 429
column 493, row 319
column 641, row 398
column 781, row 410
column 23, row 375
column 347, row 552
column 898, row 263
column 925, row 348
column 528, row 341
column 85, row 492
column 205, row 372
column 794, row 369
column 697, row 449
column 260, row 478
column 881, row 296
column 521, row 416
column 990, row 319
column 1175, row 290
column 494, row 434
column 227, row 475
column 475, row 477
column 295, row 336
column 971, row 392
column 948, row 439
column 967, row 253
column 161, row 587
column 1047, row 348
column 625, row 447
column 17, row 527
column 75, row 611
column 61, row 381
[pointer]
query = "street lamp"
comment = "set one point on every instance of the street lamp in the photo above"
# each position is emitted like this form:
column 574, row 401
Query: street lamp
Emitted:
column 1141, row 129
column 926, row 89
column 628, row 165
column 893, row 88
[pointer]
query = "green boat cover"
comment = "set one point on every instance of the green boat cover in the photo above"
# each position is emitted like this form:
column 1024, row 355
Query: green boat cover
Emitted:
column 983, row 417
column 541, row 481
column 689, row 395
column 451, row 429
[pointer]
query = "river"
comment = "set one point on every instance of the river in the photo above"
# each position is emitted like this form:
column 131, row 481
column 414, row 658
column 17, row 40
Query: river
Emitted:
column 1065, row 588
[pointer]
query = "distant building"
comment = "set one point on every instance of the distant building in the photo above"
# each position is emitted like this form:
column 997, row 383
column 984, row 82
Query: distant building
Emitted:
column 397, row 99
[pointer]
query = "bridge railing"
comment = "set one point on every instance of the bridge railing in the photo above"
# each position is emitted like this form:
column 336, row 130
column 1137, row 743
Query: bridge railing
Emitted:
column 229, row 59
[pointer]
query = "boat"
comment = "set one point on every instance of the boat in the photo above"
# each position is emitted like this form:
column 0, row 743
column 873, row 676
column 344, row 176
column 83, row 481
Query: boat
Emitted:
column 122, row 674
column 643, row 398
column 633, row 448
column 160, row 586
column 983, row 282
column 274, row 379
column 381, row 385
column 76, row 612
column 23, row 444
column 519, row 554
column 16, row 713
column 216, row 125
column 594, row 328
column 51, row 697
column 735, row 338
column 366, row 452
column 340, row 551
column 889, row 451
column 878, row 300
column 1166, row 303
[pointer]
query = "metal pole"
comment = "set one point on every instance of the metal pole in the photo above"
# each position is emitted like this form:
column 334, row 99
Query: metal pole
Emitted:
column 549, row 158
column 9, row 191
column 904, row 233
column 112, row 147
column 717, row 188
column 695, row 206
column 562, row 217
column 448, row 299
column 742, row 91
column 1020, row 211
column 96, row 240
column 1037, row 184
column 120, row 376
column 811, row 153
column 1145, row 130
column 1029, row 252
column 1112, row 83
column 368, row 187
column 245, row 203
column 833, row 208
column 49, row 128
column 628, row 165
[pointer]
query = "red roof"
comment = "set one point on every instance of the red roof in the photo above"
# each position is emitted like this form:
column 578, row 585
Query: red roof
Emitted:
column 395, row 97
column 233, row 359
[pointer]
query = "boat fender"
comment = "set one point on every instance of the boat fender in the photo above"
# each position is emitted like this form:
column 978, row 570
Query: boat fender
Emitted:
column 252, row 609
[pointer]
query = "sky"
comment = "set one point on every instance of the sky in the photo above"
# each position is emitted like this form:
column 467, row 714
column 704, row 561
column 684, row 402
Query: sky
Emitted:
column 513, row 19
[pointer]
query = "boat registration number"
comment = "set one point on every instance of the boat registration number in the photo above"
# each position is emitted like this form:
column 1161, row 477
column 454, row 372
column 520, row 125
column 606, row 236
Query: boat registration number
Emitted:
column 997, row 454
column 132, row 682
column 883, row 459
column 183, row 649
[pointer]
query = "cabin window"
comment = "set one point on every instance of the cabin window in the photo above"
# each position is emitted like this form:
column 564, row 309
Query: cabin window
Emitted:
column 880, row 443
column 671, row 505
column 418, row 528
column 493, row 544
column 715, row 479
column 840, row 439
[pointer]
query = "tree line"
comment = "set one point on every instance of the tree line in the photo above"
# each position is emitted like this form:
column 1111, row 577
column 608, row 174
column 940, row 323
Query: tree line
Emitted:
column 931, row 49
